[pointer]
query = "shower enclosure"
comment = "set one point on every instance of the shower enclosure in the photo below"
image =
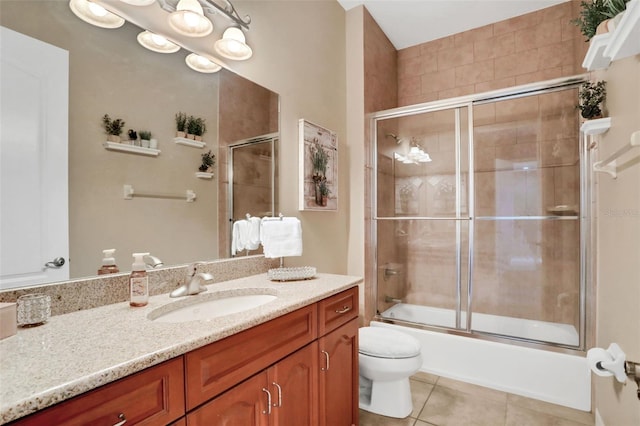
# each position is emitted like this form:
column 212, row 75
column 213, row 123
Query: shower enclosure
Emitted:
column 480, row 215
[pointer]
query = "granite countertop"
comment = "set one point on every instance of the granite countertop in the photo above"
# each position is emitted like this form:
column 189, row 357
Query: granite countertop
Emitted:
column 77, row 352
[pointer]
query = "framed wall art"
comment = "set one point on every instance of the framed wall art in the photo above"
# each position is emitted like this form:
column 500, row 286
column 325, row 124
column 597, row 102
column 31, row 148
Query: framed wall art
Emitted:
column 318, row 167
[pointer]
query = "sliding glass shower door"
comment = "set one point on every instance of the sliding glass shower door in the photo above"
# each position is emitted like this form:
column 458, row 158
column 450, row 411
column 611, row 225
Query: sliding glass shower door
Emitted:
column 477, row 216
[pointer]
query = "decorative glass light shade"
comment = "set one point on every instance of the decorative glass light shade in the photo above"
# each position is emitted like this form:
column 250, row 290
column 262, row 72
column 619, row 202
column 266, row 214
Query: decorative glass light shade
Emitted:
column 189, row 20
column 233, row 45
column 156, row 42
column 201, row 64
column 95, row 14
column 139, row 2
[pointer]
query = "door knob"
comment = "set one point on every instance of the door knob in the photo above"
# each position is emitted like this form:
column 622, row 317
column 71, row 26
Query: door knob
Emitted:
column 55, row 263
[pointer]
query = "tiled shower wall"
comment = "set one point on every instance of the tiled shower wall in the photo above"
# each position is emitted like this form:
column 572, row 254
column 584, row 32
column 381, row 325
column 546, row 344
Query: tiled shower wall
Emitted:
column 533, row 47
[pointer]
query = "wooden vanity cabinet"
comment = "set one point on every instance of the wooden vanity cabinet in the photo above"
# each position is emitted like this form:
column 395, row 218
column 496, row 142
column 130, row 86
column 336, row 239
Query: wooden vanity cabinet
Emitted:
column 295, row 370
column 152, row 397
column 339, row 374
column 284, row 394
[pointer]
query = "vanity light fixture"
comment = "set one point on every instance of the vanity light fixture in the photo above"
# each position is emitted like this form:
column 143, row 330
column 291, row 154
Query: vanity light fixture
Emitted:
column 233, row 45
column 95, row 14
column 201, row 64
column 188, row 19
column 156, row 43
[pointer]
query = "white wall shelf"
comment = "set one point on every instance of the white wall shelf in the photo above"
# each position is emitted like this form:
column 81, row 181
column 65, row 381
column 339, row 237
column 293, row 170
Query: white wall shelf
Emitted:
column 204, row 175
column 189, row 142
column 622, row 42
column 596, row 127
column 132, row 149
column 610, row 165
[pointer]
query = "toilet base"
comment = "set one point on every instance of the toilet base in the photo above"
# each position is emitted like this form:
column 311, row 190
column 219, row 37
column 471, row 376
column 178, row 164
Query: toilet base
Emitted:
column 388, row 398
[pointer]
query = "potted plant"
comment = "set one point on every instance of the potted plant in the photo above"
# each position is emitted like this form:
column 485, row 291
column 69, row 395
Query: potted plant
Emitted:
column 198, row 128
column 133, row 137
column 591, row 98
column 615, row 8
column 324, row 191
column 181, row 125
column 191, row 127
column 145, row 138
column 112, row 127
column 319, row 162
column 208, row 161
column 591, row 15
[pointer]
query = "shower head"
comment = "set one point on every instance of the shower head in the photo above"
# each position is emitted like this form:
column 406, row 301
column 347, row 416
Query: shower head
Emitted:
column 398, row 139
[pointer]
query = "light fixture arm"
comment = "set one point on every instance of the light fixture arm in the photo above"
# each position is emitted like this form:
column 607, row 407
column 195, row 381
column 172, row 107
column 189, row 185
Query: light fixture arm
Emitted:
column 211, row 6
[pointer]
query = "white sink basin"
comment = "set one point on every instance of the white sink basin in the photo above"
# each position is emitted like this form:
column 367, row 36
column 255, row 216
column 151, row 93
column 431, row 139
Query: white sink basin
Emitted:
column 205, row 307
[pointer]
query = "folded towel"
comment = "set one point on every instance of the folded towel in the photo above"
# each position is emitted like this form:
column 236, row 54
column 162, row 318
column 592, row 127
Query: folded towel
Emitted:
column 281, row 237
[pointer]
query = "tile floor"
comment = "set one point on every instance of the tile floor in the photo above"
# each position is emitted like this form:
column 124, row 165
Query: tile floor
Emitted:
column 444, row 402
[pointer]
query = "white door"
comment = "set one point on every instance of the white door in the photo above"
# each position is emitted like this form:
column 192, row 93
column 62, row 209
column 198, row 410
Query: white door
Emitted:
column 34, row 103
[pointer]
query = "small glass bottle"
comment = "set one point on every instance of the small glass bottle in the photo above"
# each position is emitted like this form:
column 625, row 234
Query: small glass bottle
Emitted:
column 139, row 281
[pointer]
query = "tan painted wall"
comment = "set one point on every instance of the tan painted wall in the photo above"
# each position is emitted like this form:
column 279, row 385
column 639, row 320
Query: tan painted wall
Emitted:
column 618, row 246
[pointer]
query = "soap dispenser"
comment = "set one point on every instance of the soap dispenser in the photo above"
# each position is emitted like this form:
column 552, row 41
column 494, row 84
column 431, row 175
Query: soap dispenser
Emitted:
column 139, row 281
column 108, row 263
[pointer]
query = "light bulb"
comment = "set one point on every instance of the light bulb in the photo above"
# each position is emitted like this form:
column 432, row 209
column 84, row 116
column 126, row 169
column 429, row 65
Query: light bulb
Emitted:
column 233, row 45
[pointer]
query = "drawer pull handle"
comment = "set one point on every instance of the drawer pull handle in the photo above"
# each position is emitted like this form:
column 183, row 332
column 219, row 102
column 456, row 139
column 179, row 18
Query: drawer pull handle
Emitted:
column 344, row 310
column 122, row 418
column 326, row 363
column 268, row 410
column 279, row 404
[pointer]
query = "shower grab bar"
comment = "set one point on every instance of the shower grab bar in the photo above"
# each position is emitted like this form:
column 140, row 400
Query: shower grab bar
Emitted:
column 609, row 165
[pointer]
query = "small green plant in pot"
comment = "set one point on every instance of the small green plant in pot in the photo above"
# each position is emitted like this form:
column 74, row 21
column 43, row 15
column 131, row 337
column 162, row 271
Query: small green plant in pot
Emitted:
column 113, row 128
column 199, row 128
column 593, row 13
column 324, row 190
column 145, row 138
column 181, row 125
column 191, row 127
column 591, row 98
column 208, row 161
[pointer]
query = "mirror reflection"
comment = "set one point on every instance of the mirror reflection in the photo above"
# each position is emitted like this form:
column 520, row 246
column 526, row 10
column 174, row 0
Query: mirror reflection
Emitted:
column 110, row 73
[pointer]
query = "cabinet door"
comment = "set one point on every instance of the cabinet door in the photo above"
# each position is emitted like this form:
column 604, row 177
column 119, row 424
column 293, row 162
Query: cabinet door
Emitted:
column 338, row 352
column 243, row 405
column 294, row 388
column 151, row 397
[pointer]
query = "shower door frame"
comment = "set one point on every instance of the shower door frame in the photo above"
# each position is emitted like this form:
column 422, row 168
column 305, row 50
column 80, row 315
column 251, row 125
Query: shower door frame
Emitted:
column 456, row 104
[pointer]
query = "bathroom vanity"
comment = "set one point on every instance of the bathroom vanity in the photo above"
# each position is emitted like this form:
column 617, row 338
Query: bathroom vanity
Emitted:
column 291, row 361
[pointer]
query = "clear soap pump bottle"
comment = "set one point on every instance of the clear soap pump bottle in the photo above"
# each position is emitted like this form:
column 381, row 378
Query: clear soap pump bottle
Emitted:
column 139, row 281
column 108, row 263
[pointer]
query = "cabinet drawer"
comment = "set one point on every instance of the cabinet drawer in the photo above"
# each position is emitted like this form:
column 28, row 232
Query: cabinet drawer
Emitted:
column 337, row 310
column 154, row 396
column 217, row 367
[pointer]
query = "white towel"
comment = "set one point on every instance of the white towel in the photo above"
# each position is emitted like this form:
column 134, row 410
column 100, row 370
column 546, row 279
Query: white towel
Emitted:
column 281, row 237
column 253, row 234
column 239, row 236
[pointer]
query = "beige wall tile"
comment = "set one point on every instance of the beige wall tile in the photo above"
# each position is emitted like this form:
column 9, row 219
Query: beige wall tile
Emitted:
column 454, row 57
column 494, row 47
column 474, row 73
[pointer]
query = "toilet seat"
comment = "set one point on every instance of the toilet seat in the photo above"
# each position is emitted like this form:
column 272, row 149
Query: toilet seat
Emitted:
column 382, row 342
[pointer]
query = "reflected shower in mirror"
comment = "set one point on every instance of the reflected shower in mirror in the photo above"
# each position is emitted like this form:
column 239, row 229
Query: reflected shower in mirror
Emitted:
column 110, row 73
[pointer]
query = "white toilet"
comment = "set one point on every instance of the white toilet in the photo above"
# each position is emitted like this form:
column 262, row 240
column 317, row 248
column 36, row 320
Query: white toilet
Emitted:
column 387, row 359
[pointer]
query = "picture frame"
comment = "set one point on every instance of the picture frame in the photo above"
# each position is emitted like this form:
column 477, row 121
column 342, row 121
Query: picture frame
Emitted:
column 318, row 162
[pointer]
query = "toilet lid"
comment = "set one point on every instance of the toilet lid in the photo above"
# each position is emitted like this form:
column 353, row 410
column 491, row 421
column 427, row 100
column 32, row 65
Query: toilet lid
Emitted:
column 383, row 342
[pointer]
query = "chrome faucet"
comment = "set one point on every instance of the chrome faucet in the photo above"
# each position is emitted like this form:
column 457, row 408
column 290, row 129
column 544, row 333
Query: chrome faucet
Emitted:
column 195, row 282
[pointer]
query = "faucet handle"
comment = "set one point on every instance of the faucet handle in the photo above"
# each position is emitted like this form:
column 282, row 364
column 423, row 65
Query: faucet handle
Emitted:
column 193, row 268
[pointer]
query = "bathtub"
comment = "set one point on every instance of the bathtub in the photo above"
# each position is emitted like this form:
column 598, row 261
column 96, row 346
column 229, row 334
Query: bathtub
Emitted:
column 553, row 377
column 542, row 331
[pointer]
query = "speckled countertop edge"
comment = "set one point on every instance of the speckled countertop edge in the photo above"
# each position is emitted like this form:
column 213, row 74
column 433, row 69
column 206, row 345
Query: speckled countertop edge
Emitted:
column 80, row 351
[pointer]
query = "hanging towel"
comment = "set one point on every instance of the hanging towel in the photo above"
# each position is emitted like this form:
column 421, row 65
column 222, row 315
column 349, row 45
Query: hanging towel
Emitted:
column 253, row 233
column 281, row 237
column 239, row 236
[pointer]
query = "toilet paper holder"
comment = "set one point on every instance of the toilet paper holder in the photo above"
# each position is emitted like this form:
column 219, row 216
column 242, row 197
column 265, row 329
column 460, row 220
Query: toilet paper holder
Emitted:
column 612, row 362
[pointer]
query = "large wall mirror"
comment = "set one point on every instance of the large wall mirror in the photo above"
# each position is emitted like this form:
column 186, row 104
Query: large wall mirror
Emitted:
column 110, row 73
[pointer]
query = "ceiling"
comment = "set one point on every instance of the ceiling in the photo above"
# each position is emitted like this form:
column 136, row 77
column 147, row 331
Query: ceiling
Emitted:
column 410, row 22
